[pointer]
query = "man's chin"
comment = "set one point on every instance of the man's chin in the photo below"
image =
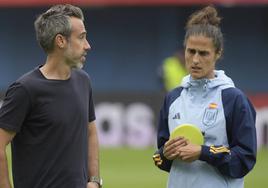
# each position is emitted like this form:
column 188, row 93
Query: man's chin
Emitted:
column 77, row 66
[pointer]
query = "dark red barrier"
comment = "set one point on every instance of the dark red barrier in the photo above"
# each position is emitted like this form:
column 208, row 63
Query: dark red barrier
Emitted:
column 27, row 3
column 259, row 100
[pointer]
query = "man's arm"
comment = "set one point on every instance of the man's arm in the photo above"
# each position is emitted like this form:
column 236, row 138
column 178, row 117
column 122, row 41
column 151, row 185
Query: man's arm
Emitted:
column 5, row 139
column 93, row 153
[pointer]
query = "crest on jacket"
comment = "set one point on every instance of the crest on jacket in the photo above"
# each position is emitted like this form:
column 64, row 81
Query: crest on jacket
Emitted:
column 210, row 114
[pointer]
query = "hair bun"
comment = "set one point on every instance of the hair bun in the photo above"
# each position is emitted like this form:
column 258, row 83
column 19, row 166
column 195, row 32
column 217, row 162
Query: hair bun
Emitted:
column 205, row 16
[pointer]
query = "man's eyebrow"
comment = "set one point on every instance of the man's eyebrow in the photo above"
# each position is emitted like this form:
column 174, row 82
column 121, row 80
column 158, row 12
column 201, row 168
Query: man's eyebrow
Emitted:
column 83, row 33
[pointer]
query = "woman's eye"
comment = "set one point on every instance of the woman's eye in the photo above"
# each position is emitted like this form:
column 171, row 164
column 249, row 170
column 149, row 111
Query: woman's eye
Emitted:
column 192, row 51
column 203, row 53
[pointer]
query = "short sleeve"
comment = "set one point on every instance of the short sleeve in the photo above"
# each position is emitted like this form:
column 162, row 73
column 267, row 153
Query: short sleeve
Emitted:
column 16, row 106
column 91, row 108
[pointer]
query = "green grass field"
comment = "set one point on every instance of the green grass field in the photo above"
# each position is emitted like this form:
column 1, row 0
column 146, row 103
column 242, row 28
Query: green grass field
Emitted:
column 121, row 168
column 258, row 177
column 130, row 168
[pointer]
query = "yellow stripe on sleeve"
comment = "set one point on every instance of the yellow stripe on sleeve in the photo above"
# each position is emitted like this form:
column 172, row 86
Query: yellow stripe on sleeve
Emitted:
column 220, row 149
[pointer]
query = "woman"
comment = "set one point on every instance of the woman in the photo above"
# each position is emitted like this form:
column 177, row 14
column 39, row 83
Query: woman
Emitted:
column 209, row 100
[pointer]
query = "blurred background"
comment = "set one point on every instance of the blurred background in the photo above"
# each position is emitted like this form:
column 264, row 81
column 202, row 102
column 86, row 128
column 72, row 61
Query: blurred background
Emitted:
column 130, row 40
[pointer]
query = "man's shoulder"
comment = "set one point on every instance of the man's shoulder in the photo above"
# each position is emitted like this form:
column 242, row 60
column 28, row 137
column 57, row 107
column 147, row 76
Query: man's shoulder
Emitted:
column 30, row 80
column 28, row 77
column 80, row 72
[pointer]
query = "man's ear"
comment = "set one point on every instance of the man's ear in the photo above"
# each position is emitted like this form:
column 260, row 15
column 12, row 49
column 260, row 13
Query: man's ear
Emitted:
column 60, row 41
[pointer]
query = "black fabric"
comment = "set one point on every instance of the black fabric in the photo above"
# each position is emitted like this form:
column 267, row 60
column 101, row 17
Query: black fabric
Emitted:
column 50, row 117
column 166, row 164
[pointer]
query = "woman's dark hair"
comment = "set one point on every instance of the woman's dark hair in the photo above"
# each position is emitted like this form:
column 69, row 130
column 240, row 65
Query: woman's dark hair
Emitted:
column 205, row 22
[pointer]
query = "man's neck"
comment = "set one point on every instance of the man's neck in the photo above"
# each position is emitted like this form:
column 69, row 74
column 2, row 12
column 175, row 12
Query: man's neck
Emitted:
column 55, row 69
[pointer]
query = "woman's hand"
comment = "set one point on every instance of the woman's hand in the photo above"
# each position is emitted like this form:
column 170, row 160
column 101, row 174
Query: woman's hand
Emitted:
column 189, row 153
column 172, row 146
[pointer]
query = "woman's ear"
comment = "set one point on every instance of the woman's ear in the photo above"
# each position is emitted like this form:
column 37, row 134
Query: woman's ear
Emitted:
column 219, row 54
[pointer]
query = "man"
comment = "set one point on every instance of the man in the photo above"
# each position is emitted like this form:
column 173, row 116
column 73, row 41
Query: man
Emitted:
column 173, row 71
column 48, row 113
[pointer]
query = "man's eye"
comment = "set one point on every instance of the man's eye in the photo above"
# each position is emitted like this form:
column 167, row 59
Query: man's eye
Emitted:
column 82, row 36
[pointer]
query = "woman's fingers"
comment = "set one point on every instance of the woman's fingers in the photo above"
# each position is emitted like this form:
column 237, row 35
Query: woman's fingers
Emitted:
column 172, row 146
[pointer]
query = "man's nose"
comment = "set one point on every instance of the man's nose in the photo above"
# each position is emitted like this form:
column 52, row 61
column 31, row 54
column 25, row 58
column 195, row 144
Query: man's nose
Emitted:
column 87, row 46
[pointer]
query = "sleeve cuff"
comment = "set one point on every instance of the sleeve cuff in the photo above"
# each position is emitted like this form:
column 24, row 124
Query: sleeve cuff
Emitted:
column 160, row 160
column 205, row 153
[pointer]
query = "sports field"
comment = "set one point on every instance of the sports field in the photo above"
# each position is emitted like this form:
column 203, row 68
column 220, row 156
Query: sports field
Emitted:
column 121, row 168
column 131, row 168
